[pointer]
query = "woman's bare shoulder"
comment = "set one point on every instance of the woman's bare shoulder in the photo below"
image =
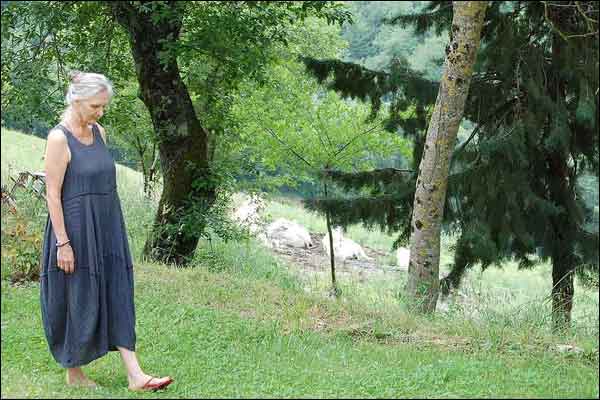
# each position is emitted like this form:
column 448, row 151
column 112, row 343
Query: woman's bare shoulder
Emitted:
column 57, row 145
column 57, row 136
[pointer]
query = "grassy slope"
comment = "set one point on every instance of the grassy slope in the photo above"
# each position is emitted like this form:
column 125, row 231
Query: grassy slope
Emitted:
column 239, row 325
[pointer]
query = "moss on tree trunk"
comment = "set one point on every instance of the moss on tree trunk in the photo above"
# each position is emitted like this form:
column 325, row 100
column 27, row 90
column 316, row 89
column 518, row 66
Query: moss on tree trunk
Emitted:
column 430, row 194
column 183, row 141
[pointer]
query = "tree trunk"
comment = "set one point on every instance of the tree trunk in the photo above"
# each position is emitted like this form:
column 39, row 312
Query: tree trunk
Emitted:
column 149, row 172
column 564, row 229
column 334, row 288
column 563, row 194
column 563, row 253
column 562, row 294
column 150, row 179
column 428, row 207
column 183, row 142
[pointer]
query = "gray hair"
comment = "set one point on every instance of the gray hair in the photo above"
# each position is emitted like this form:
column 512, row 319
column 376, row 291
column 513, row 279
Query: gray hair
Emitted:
column 87, row 84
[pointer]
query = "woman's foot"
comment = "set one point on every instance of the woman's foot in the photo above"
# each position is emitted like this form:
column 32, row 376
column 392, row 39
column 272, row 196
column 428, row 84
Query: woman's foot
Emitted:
column 144, row 382
column 77, row 378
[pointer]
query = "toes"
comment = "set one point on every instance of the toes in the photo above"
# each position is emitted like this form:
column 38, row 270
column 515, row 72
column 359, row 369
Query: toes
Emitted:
column 160, row 381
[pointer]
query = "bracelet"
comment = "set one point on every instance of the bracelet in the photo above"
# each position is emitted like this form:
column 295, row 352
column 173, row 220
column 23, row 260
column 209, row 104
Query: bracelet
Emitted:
column 59, row 244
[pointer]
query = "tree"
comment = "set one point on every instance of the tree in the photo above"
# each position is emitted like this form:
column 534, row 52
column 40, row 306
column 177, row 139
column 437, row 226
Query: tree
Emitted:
column 513, row 189
column 158, row 34
column 432, row 181
column 131, row 132
column 303, row 131
column 381, row 197
column 517, row 181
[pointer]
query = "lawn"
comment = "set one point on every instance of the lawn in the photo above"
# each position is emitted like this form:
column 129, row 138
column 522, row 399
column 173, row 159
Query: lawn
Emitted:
column 239, row 322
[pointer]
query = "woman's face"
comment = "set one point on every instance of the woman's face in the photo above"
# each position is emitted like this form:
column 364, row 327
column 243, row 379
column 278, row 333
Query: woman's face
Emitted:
column 92, row 108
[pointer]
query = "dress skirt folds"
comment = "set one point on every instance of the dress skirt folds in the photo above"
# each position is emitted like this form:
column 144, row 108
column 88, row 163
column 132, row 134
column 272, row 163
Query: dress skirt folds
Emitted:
column 91, row 311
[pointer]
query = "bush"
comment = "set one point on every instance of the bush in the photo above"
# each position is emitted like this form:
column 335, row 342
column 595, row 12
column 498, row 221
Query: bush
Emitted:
column 23, row 225
column 21, row 249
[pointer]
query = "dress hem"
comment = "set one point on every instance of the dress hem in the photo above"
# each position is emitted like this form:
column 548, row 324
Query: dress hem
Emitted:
column 95, row 356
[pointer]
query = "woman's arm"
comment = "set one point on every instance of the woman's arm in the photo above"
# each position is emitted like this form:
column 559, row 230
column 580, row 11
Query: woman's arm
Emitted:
column 56, row 161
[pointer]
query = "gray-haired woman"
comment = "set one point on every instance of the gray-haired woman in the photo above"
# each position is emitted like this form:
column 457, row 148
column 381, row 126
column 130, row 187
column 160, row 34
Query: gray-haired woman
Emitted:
column 86, row 284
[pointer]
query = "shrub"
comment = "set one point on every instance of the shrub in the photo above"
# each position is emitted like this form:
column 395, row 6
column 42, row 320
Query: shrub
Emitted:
column 21, row 249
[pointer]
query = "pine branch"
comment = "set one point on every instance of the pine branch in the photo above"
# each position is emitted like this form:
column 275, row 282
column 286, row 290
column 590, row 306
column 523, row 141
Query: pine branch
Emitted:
column 486, row 120
column 384, row 177
column 589, row 20
column 391, row 213
column 561, row 33
column 437, row 14
column 351, row 80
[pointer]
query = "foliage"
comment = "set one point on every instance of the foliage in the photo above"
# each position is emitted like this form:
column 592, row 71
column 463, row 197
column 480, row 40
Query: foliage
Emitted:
column 221, row 44
column 221, row 86
column 320, row 128
column 129, row 129
column 21, row 248
column 534, row 133
column 518, row 175
column 42, row 41
column 227, row 43
column 381, row 66
column 22, row 235
column 297, row 117
column 407, row 91
column 375, row 44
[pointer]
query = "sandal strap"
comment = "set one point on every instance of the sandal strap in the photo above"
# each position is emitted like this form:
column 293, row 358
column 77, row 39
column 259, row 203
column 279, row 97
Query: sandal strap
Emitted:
column 149, row 380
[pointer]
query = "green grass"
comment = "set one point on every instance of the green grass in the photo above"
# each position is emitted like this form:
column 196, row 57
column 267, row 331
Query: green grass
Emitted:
column 494, row 292
column 224, row 335
column 240, row 324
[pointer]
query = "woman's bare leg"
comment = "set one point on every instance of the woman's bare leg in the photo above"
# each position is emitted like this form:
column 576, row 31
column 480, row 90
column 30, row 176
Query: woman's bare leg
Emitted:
column 136, row 377
column 76, row 377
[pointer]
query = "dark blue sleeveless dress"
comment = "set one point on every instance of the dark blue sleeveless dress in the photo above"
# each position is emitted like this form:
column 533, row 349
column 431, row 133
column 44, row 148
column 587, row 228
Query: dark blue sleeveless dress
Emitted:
column 91, row 311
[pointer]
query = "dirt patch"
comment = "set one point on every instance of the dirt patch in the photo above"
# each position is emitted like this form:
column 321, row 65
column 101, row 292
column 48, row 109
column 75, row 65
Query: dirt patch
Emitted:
column 316, row 259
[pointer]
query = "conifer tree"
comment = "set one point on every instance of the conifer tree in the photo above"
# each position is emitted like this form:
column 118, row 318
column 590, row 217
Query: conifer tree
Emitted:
column 514, row 187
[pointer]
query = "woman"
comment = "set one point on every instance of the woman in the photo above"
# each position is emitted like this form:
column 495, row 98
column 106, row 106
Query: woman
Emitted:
column 86, row 289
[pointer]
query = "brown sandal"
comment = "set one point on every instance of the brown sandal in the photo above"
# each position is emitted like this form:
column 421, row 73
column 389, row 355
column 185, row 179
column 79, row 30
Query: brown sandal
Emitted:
column 153, row 386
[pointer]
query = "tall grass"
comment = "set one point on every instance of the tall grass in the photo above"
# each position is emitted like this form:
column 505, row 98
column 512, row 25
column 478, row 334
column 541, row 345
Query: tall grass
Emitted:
column 500, row 301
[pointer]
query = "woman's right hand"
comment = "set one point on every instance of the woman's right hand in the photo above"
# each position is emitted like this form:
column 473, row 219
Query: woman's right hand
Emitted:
column 65, row 258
